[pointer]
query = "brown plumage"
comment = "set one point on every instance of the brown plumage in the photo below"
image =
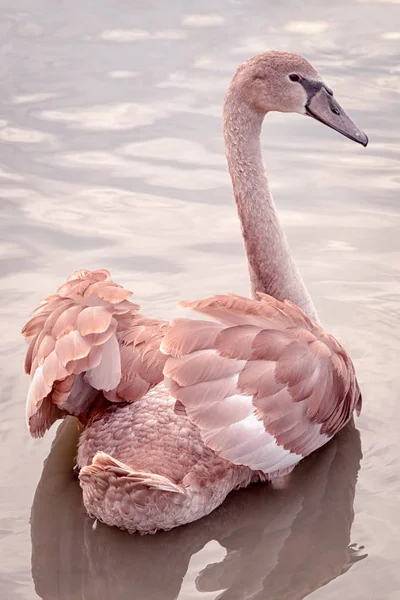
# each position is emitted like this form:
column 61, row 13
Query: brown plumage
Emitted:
column 176, row 415
column 88, row 341
column 270, row 360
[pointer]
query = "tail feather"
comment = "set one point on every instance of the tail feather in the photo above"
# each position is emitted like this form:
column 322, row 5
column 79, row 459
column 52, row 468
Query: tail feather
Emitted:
column 104, row 463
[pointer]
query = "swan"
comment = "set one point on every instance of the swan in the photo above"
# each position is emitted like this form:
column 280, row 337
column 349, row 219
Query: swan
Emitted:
column 176, row 415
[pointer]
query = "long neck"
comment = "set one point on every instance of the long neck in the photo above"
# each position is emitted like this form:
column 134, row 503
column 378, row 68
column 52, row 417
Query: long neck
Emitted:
column 271, row 266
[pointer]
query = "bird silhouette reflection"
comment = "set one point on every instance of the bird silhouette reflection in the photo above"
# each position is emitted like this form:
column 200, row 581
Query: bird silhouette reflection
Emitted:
column 279, row 543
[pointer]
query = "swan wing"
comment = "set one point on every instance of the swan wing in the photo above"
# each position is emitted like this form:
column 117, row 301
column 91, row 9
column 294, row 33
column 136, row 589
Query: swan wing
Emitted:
column 265, row 385
column 87, row 343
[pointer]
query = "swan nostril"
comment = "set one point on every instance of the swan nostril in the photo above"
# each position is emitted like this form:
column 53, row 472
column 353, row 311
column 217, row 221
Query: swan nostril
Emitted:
column 335, row 111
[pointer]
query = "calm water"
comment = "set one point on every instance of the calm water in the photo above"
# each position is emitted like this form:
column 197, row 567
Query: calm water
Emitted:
column 111, row 155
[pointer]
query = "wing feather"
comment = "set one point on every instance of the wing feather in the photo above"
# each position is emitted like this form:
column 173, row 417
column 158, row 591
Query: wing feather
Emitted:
column 88, row 341
column 264, row 384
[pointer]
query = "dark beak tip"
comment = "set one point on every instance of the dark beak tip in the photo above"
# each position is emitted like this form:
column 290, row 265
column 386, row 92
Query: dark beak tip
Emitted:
column 348, row 129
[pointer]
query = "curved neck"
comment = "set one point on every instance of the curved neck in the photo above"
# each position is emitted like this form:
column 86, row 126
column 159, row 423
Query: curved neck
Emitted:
column 271, row 267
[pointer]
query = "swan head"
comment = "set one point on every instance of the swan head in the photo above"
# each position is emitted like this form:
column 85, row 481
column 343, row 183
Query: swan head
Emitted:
column 285, row 82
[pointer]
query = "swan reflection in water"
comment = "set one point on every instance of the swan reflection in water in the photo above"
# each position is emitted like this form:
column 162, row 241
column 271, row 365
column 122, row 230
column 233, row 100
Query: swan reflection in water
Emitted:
column 279, row 543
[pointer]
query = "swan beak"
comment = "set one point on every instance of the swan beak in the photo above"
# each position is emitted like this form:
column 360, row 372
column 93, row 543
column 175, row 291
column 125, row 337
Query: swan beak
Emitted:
column 322, row 106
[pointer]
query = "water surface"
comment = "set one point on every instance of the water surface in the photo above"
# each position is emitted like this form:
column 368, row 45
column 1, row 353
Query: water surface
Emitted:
column 111, row 155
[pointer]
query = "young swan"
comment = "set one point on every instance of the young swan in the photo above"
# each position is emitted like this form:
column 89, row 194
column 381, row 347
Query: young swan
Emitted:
column 176, row 415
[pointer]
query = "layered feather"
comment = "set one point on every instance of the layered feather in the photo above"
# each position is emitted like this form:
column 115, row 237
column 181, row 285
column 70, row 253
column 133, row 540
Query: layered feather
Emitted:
column 86, row 342
column 264, row 384
column 103, row 464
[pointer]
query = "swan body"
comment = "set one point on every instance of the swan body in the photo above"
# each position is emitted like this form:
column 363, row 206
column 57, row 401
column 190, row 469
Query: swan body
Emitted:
column 176, row 415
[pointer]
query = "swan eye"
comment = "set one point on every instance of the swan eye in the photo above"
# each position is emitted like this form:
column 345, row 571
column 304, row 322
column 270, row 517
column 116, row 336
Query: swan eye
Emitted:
column 295, row 77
